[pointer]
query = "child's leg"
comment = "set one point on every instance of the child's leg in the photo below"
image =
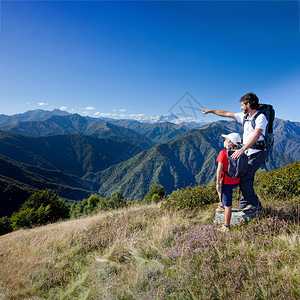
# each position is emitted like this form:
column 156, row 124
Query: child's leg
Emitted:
column 220, row 198
column 227, row 202
column 227, row 215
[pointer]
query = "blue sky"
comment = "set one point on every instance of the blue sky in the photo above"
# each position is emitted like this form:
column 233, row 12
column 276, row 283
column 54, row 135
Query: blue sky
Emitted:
column 138, row 58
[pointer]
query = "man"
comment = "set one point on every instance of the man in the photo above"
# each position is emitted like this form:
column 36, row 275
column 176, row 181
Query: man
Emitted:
column 252, row 139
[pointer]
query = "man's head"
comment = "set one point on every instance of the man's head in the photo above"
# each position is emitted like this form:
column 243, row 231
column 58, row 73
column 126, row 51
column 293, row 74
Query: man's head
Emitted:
column 249, row 100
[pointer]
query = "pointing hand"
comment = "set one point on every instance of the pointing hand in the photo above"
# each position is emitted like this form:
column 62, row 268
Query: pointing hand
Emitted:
column 205, row 111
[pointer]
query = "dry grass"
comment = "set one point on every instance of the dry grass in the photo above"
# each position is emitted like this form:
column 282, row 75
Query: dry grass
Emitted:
column 129, row 254
column 25, row 251
column 31, row 259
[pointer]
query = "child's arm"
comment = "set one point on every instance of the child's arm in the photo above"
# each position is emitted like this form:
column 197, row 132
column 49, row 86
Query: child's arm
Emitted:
column 219, row 175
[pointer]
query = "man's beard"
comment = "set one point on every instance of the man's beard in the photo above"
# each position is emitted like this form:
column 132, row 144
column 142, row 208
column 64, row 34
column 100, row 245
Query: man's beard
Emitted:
column 246, row 110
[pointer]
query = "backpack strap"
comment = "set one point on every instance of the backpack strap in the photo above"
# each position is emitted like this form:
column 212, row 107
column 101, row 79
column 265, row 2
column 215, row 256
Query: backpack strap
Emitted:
column 245, row 119
column 254, row 118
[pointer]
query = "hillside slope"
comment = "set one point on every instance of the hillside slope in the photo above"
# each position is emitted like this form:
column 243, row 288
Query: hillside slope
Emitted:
column 18, row 181
column 145, row 252
column 189, row 160
column 287, row 138
column 186, row 161
column 74, row 154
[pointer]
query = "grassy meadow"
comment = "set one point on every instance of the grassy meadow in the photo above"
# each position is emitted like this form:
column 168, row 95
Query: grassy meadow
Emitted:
column 147, row 251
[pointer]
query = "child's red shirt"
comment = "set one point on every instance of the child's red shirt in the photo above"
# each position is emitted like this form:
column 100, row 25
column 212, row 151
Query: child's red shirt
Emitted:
column 222, row 158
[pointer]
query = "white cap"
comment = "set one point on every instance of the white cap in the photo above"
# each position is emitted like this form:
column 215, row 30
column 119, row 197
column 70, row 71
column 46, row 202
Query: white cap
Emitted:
column 233, row 137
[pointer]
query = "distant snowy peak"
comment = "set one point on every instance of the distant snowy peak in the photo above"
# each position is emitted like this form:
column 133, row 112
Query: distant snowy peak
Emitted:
column 191, row 122
column 158, row 119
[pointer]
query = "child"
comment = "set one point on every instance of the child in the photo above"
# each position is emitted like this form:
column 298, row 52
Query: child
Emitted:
column 226, row 184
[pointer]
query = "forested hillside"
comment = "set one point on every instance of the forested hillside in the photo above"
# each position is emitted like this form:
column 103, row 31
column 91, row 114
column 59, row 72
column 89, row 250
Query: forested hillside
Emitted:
column 73, row 153
column 186, row 161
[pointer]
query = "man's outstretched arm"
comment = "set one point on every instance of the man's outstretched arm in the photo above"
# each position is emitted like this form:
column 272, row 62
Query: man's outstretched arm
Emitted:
column 220, row 113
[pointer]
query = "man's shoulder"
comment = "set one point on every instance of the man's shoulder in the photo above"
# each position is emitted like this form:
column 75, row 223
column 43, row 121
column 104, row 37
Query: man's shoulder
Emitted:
column 261, row 117
column 239, row 116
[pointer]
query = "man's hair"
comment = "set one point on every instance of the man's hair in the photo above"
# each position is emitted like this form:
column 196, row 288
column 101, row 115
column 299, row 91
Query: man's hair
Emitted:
column 252, row 99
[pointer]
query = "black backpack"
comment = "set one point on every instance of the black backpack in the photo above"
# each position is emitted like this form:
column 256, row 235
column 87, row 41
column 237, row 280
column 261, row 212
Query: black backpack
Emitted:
column 268, row 142
column 237, row 167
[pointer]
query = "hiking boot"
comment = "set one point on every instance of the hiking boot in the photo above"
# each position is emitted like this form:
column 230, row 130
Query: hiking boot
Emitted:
column 250, row 209
column 224, row 228
column 242, row 206
column 220, row 209
column 246, row 206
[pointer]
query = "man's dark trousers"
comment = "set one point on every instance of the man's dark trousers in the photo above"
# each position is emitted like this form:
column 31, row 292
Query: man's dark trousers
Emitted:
column 255, row 160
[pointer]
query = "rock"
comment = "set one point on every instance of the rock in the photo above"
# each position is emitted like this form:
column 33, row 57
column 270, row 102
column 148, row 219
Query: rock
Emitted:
column 237, row 217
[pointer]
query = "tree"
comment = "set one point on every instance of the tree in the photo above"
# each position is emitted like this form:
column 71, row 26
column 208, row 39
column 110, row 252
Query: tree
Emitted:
column 40, row 208
column 156, row 189
column 77, row 209
column 117, row 200
column 104, row 204
column 93, row 204
column 155, row 198
column 5, row 225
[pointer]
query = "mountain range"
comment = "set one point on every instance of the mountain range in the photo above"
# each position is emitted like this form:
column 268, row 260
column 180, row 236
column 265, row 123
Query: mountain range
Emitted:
column 70, row 124
column 157, row 132
column 76, row 156
column 30, row 115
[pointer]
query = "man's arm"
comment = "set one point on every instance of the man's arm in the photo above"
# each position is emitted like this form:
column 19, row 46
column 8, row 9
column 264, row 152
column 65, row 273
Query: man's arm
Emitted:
column 250, row 143
column 220, row 113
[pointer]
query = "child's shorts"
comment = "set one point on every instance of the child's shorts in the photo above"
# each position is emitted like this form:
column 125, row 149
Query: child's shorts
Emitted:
column 227, row 194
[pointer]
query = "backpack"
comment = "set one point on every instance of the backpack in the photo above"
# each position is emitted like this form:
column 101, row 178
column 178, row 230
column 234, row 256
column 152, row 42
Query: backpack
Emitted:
column 268, row 142
column 237, row 167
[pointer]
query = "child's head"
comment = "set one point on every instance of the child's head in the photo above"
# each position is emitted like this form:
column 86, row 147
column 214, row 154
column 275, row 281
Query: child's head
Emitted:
column 232, row 140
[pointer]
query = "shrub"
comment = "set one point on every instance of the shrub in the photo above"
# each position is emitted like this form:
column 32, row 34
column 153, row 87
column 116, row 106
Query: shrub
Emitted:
column 156, row 189
column 155, row 198
column 104, row 204
column 191, row 198
column 77, row 209
column 96, row 203
column 93, row 204
column 41, row 208
column 5, row 225
column 117, row 200
column 282, row 183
